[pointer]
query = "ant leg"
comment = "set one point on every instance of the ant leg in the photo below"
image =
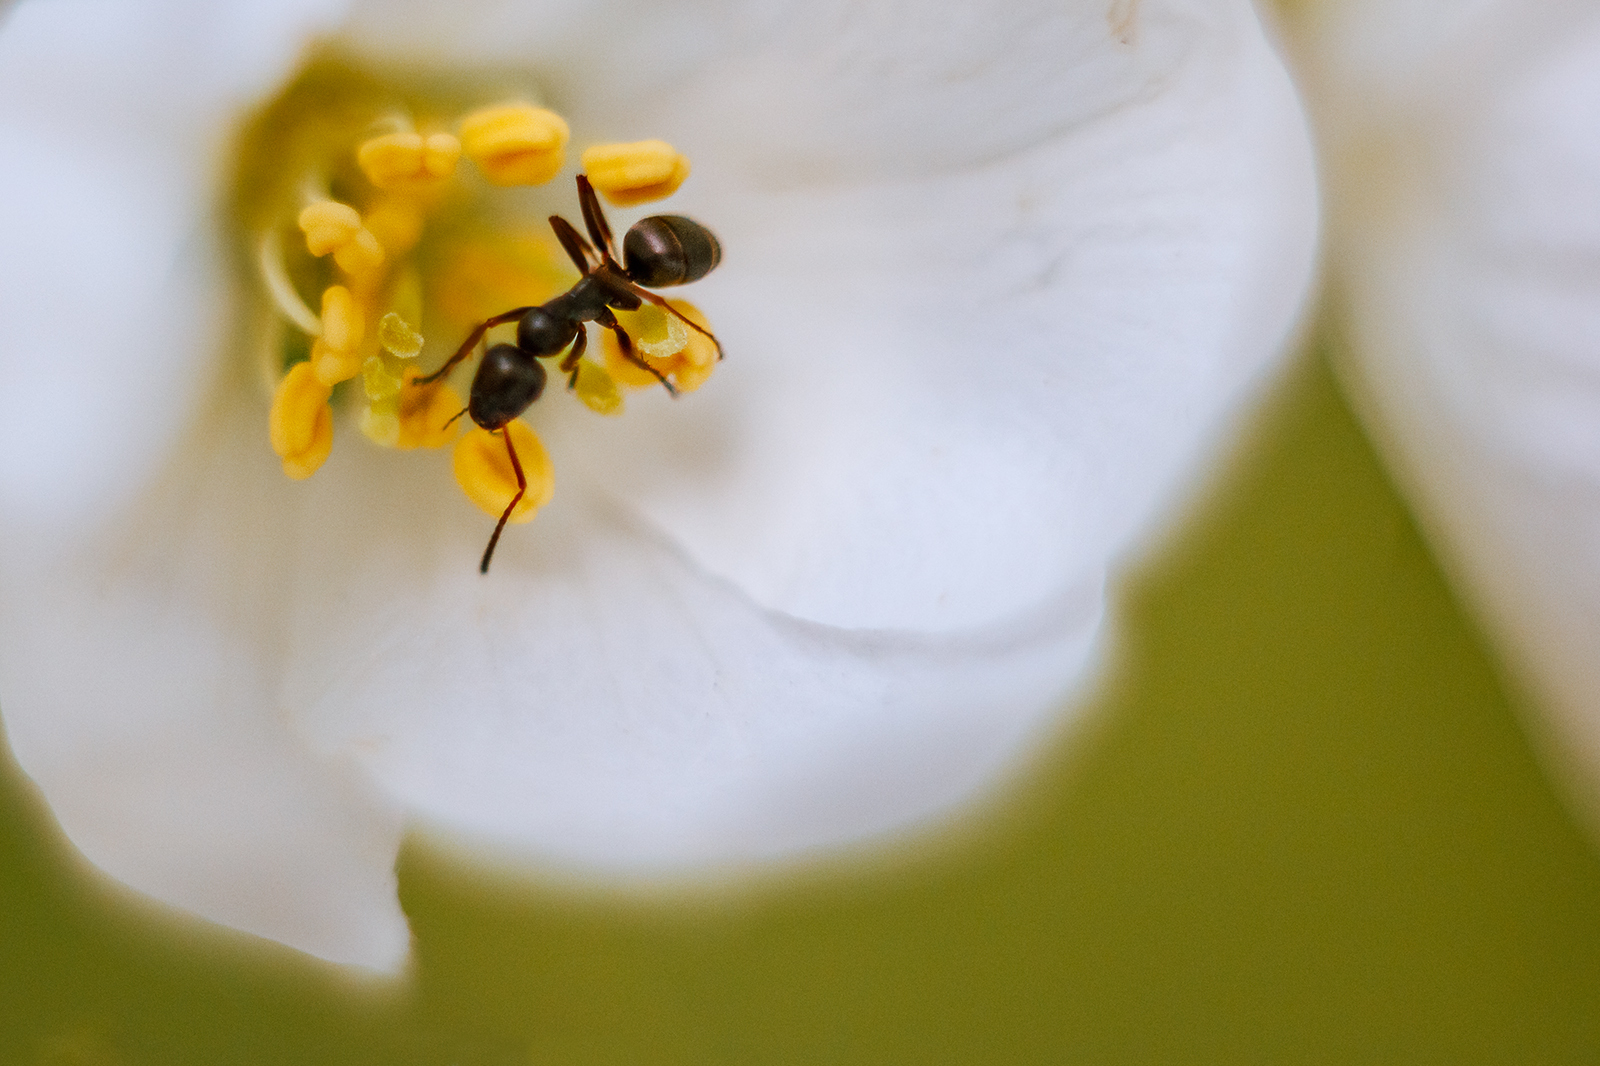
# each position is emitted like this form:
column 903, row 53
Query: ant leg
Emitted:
column 472, row 342
column 577, row 248
column 569, row 362
column 522, row 487
column 595, row 220
column 625, row 342
column 665, row 306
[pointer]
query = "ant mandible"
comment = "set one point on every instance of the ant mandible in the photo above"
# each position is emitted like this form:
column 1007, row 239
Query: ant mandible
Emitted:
column 657, row 251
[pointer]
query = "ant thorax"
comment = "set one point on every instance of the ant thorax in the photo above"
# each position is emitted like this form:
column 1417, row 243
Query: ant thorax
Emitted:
column 392, row 280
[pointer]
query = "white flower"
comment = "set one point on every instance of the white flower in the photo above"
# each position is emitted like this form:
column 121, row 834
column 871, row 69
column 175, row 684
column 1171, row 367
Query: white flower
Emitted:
column 1464, row 151
column 994, row 282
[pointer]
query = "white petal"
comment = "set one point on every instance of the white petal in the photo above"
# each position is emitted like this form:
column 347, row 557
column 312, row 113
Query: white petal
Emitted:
column 597, row 700
column 139, row 663
column 1046, row 293
column 949, row 398
column 991, row 283
column 1468, row 195
column 136, row 651
column 116, row 118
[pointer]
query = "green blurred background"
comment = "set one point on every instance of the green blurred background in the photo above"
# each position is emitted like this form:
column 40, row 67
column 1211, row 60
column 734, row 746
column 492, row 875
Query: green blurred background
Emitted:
column 1300, row 824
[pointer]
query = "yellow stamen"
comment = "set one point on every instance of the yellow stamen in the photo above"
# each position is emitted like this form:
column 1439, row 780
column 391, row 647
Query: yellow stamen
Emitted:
column 408, row 161
column 396, row 221
column 360, row 256
column 701, row 351
column 424, row 413
column 691, row 376
column 515, row 144
column 637, row 173
column 410, row 247
column 342, row 324
column 300, row 424
column 654, row 333
column 331, row 366
column 483, row 470
column 336, row 355
column 598, row 389
column 383, row 373
column 330, row 226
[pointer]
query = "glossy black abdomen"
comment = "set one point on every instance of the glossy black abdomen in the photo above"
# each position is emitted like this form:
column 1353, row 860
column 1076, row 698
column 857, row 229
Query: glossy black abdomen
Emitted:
column 669, row 250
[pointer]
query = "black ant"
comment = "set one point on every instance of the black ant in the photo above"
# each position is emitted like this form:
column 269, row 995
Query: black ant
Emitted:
column 657, row 251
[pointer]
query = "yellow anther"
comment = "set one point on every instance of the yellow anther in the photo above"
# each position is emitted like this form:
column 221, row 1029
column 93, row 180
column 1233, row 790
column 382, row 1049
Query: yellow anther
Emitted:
column 637, row 173
column 330, row 226
column 425, row 415
column 336, row 355
column 440, row 152
column 631, row 374
column 361, row 255
column 598, row 389
column 701, row 351
column 691, row 376
column 688, row 366
column 331, row 366
column 300, row 424
column 484, row 472
column 515, row 144
column 342, row 323
column 408, row 161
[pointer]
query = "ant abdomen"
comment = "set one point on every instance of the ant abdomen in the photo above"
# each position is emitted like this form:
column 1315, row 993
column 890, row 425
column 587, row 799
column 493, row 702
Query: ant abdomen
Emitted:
column 669, row 250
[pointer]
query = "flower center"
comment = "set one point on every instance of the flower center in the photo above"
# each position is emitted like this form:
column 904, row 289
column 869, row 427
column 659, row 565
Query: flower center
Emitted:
column 369, row 232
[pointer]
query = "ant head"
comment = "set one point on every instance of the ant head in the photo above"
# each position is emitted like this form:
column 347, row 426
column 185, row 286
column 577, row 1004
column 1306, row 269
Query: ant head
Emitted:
column 507, row 381
column 669, row 250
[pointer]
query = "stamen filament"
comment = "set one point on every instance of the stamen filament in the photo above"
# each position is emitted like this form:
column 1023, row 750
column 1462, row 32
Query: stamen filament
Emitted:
column 269, row 261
